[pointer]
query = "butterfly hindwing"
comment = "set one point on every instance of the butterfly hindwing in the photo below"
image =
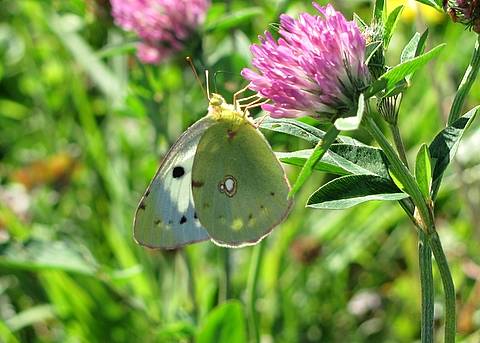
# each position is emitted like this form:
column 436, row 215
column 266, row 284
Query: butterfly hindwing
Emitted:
column 166, row 216
column 239, row 187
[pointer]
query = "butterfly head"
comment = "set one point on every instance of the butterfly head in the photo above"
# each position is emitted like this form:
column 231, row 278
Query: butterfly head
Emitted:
column 216, row 100
column 219, row 108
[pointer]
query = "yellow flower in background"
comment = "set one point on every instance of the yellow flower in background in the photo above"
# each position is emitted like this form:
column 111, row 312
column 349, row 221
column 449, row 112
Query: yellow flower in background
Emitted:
column 413, row 8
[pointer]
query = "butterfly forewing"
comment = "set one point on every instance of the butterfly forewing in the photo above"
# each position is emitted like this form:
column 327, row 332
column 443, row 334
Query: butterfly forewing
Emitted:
column 166, row 216
column 239, row 187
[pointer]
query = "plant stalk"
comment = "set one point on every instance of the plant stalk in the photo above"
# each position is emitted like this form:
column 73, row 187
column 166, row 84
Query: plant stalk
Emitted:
column 424, row 255
column 397, row 139
column 448, row 286
column 427, row 289
column 224, row 287
column 401, row 172
column 253, row 274
column 427, row 224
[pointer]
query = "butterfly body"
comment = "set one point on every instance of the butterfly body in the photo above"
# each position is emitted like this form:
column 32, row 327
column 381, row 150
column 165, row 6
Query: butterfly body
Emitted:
column 220, row 180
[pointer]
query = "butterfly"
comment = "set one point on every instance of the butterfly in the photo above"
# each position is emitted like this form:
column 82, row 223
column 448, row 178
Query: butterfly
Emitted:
column 219, row 181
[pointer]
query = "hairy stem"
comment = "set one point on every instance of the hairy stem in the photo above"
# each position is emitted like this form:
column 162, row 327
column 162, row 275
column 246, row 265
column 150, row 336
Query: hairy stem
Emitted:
column 397, row 139
column 427, row 289
column 448, row 286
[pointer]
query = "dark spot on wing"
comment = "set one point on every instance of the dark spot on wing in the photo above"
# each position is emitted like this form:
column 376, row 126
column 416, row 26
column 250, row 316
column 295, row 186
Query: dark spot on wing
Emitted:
column 272, row 194
column 231, row 134
column 178, row 172
column 157, row 221
column 183, row 220
column 262, row 207
column 195, row 215
column 142, row 205
column 197, row 184
column 250, row 216
column 220, row 217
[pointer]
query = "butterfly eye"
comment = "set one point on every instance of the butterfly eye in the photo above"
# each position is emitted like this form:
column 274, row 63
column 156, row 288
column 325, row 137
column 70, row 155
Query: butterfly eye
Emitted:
column 216, row 100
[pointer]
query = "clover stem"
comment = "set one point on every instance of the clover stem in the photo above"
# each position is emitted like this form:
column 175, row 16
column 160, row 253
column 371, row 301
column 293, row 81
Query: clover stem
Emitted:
column 397, row 139
column 448, row 286
column 427, row 289
column 427, row 228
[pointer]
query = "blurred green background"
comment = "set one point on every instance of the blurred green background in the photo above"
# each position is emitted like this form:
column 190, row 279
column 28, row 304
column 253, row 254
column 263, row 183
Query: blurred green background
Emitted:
column 83, row 126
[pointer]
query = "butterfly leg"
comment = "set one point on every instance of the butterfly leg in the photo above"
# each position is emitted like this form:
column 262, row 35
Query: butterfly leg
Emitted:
column 254, row 104
column 235, row 96
column 260, row 120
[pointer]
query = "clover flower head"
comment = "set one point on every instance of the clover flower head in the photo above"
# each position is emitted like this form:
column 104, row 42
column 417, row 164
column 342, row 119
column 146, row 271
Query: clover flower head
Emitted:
column 466, row 12
column 163, row 26
column 317, row 66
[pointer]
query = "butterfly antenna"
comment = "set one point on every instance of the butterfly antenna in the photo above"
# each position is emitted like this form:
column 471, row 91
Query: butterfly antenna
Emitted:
column 194, row 70
column 207, row 81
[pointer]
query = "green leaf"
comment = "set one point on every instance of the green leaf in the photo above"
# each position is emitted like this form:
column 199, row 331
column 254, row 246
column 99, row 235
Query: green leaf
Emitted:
column 422, row 43
column 342, row 159
column 233, row 20
column 359, row 159
column 444, row 147
column 376, row 87
column 414, row 48
column 380, row 11
column 353, row 122
column 359, row 21
column 318, row 152
column 225, row 324
column 423, row 171
column 295, row 128
column 396, row 180
column 371, row 49
column 401, row 71
column 302, row 130
column 409, row 51
column 348, row 191
column 390, row 25
column 437, row 4
column 38, row 255
column 298, row 158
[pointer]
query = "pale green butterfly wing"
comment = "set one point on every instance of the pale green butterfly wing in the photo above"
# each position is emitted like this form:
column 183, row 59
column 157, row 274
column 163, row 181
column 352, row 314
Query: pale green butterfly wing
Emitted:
column 166, row 217
column 239, row 187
